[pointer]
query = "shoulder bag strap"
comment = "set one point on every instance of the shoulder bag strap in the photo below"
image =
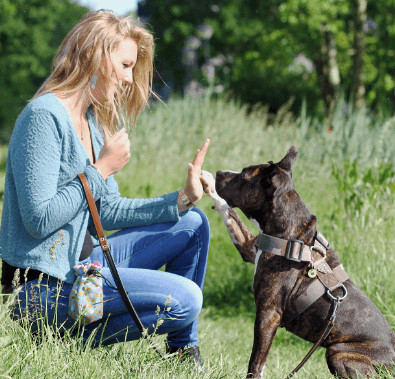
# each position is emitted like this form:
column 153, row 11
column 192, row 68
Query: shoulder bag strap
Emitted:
column 107, row 253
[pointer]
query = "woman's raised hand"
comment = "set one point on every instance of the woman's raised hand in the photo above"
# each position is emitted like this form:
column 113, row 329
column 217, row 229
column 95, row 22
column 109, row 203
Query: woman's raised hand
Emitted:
column 193, row 187
column 114, row 154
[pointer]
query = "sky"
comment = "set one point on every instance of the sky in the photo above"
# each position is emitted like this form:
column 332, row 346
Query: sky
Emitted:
column 118, row 6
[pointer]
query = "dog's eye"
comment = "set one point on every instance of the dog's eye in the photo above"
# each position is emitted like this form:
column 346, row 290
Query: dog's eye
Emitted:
column 250, row 172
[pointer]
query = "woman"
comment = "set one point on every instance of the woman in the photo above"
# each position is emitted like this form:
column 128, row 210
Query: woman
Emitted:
column 103, row 68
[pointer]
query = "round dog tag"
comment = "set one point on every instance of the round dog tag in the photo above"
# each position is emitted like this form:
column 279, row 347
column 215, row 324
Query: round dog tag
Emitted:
column 312, row 273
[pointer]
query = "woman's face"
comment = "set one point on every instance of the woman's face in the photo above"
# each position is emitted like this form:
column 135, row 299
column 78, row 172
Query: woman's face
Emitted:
column 124, row 58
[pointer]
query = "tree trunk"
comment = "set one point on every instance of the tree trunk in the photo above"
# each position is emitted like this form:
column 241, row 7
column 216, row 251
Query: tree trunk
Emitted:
column 323, row 80
column 358, row 74
column 328, row 71
column 333, row 68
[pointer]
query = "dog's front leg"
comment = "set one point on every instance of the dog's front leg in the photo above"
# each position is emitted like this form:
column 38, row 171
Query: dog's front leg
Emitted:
column 241, row 236
column 266, row 324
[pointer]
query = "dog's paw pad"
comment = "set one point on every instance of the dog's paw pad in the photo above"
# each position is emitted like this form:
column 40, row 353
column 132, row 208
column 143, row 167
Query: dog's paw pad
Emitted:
column 207, row 181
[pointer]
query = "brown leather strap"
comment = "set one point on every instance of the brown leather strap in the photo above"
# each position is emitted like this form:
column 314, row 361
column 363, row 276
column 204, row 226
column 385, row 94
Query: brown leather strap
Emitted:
column 107, row 253
column 94, row 213
column 292, row 249
column 331, row 279
column 328, row 327
column 110, row 260
column 312, row 293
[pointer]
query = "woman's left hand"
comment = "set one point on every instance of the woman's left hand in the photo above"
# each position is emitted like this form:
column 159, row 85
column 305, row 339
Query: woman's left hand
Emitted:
column 193, row 187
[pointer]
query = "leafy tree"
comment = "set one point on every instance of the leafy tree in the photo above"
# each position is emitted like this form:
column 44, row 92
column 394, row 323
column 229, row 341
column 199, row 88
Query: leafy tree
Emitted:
column 317, row 25
column 380, row 53
column 30, row 33
column 358, row 72
column 171, row 22
column 262, row 39
column 350, row 45
column 264, row 51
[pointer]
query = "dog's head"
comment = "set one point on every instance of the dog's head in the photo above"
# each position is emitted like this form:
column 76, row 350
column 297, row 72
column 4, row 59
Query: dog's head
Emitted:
column 265, row 194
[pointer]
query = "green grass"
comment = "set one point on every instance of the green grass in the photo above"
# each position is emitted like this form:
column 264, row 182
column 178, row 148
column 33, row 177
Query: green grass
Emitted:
column 162, row 144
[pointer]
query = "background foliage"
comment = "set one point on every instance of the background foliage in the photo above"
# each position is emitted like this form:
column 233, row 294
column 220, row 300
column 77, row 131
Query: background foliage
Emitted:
column 30, row 33
column 345, row 177
column 270, row 45
column 276, row 56
column 266, row 51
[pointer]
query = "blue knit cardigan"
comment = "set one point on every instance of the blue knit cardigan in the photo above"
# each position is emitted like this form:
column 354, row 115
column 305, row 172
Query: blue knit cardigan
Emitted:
column 45, row 212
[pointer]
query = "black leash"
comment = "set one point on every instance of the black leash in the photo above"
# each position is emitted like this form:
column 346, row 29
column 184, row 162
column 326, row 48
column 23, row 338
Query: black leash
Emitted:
column 111, row 264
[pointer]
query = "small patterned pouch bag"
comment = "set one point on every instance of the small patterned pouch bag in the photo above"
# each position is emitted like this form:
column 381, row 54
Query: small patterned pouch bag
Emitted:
column 86, row 296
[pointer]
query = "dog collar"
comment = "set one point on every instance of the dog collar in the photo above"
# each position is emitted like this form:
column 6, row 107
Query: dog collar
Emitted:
column 292, row 249
column 258, row 254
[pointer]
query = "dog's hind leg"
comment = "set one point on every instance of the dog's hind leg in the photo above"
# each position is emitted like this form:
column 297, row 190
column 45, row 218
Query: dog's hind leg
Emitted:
column 241, row 236
column 348, row 364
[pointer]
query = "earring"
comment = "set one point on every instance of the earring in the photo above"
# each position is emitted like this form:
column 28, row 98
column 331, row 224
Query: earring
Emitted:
column 94, row 81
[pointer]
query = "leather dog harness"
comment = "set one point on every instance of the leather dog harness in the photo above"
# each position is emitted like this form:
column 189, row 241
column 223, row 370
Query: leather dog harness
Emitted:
column 324, row 278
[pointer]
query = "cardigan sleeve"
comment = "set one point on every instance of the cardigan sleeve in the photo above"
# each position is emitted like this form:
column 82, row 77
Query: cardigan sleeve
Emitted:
column 118, row 212
column 36, row 158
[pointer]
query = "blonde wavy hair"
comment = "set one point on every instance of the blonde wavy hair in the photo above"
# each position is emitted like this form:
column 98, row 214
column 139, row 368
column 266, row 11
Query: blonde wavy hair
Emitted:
column 86, row 46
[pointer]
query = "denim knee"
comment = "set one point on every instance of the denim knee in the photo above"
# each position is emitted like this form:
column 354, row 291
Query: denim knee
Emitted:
column 196, row 220
column 186, row 304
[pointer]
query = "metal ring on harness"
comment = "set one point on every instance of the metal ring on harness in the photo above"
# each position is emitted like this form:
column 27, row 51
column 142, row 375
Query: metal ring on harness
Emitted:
column 338, row 298
column 319, row 249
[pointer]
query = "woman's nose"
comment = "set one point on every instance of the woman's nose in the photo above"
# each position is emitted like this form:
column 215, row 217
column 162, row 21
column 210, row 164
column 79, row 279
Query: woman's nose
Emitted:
column 128, row 78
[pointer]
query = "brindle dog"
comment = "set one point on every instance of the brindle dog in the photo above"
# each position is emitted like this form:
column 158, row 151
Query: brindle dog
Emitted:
column 361, row 336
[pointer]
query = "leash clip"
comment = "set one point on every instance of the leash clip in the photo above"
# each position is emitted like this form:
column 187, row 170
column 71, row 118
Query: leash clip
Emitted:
column 337, row 301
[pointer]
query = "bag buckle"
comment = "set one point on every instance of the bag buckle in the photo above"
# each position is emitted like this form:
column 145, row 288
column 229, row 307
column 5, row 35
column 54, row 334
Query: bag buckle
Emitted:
column 288, row 250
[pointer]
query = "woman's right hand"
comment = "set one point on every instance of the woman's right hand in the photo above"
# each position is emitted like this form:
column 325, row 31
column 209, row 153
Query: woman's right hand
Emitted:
column 114, row 154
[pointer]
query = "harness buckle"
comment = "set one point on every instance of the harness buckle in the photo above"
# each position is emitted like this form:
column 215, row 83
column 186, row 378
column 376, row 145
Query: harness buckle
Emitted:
column 288, row 250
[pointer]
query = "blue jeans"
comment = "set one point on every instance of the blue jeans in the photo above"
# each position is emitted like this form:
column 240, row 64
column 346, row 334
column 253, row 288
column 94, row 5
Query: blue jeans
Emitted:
column 138, row 253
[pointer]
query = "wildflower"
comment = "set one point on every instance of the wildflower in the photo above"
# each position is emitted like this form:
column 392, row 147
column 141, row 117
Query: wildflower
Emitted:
column 16, row 278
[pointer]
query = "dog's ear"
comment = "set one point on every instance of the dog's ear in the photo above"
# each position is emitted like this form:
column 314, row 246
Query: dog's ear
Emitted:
column 267, row 175
column 287, row 162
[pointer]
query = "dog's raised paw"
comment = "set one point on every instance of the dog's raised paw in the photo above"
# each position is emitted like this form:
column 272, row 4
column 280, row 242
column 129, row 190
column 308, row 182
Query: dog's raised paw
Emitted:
column 208, row 182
